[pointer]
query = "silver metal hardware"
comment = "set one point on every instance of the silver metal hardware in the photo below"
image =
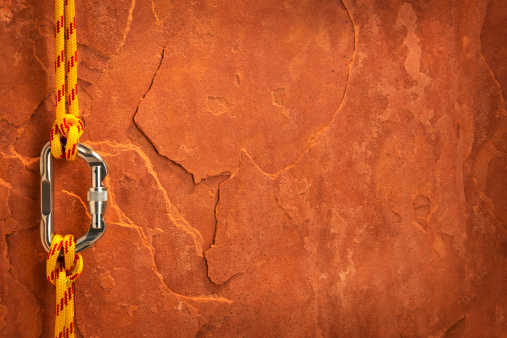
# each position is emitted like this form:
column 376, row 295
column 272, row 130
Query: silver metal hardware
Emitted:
column 97, row 197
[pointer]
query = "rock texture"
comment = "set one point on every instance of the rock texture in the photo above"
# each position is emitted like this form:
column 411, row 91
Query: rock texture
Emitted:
column 317, row 168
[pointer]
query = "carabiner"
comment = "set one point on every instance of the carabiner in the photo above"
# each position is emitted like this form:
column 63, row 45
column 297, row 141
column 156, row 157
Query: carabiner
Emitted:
column 97, row 197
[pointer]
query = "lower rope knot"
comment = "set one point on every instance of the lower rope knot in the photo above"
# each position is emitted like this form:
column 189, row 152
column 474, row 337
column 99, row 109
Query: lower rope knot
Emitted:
column 63, row 274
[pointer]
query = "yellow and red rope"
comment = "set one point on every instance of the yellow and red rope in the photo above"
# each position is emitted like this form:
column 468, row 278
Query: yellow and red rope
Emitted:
column 63, row 275
column 67, row 126
column 64, row 138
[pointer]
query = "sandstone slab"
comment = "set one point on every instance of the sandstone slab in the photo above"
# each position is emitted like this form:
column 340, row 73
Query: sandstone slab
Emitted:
column 276, row 169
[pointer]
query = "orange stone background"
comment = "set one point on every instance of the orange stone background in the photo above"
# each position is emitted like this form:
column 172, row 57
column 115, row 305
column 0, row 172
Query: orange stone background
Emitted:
column 276, row 168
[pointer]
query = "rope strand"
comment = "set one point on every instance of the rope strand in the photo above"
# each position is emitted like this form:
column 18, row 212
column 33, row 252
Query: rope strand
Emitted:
column 67, row 127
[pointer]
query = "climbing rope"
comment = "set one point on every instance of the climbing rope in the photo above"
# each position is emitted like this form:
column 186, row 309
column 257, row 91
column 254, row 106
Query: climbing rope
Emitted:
column 63, row 275
column 64, row 138
column 67, row 127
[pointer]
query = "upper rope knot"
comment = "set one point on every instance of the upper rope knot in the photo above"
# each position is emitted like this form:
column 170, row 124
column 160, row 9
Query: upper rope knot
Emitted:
column 71, row 128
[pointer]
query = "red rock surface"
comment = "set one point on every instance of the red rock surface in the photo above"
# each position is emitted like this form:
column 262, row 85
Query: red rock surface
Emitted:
column 275, row 168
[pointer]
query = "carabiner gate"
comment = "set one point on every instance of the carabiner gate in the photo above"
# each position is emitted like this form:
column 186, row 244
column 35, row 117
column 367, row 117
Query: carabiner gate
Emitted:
column 97, row 197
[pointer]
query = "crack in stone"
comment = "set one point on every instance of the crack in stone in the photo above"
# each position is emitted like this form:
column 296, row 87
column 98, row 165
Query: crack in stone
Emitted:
column 215, row 233
column 178, row 220
column 152, row 79
column 127, row 222
column 77, row 326
column 313, row 139
column 406, row 326
column 40, row 309
column 142, row 131
column 243, row 153
column 6, row 184
column 142, row 235
column 487, row 202
column 154, row 267
column 82, row 89
column 94, row 50
column 18, row 230
column 22, row 126
column 127, row 28
column 455, row 326
column 243, row 150
column 13, row 154
column 85, row 206
column 493, row 78
column 491, row 73
column 43, row 65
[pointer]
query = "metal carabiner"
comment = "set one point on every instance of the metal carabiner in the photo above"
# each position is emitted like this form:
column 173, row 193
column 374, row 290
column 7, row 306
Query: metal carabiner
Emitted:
column 97, row 197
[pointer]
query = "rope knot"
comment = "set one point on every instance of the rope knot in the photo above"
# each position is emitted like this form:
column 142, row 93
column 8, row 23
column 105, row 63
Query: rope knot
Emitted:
column 72, row 264
column 63, row 274
column 69, row 128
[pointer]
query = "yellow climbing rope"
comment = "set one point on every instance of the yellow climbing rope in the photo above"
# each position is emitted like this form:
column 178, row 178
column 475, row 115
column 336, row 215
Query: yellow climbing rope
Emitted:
column 64, row 138
column 67, row 127
column 63, row 275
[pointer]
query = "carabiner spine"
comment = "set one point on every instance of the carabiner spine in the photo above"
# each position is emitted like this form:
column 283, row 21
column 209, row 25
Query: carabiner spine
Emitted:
column 46, row 193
